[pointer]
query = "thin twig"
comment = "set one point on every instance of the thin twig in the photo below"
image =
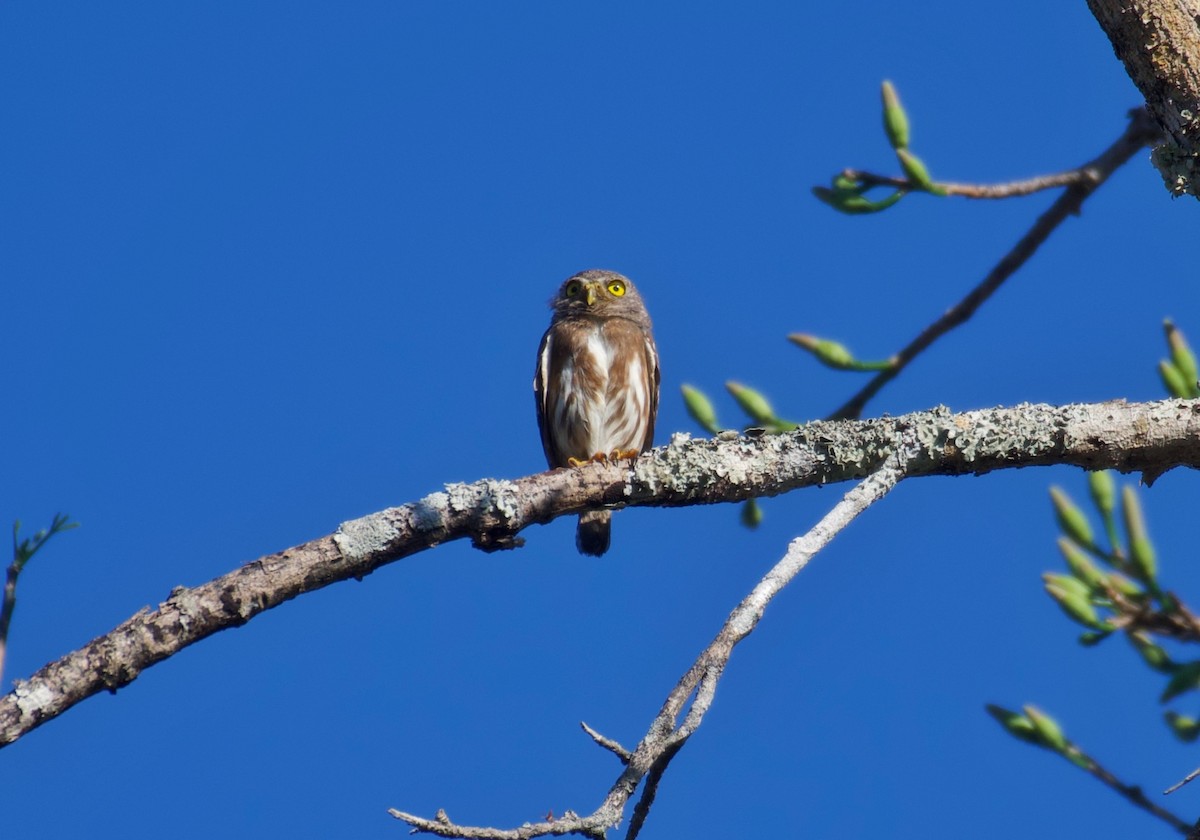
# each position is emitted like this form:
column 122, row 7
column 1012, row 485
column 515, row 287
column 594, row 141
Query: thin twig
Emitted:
column 1010, row 189
column 1138, row 134
column 665, row 737
column 1190, row 777
column 1178, row 623
column 1133, row 793
column 608, row 743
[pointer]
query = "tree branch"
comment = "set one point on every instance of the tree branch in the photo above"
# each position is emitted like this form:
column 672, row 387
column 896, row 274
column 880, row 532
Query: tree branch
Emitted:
column 666, row 737
column 1008, row 189
column 1132, row 793
column 1137, row 135
column 1159, row 43
column 1147, row 437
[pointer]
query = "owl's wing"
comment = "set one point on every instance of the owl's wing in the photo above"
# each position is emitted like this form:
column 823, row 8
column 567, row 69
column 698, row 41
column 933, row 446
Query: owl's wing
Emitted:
column 541, row 377
column 653, row 378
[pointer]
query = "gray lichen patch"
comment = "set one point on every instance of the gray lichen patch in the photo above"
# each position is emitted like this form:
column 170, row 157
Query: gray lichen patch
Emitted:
column 839, row 449
column 429, row 513
column 188, row 606
column 369, row 535
column 503, row 498
column 488, row 497
column 461, row 497
column 33, row 697
column 672, row 465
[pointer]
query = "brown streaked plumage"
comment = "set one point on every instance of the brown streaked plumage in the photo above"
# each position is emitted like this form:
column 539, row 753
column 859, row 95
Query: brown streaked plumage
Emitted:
column 596, row 383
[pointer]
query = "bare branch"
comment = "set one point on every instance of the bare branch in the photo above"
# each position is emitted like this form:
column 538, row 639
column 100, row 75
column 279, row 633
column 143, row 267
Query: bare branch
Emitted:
column 1147, row 437
column 1008, row 189
column 1137, row 135
column 666, row 737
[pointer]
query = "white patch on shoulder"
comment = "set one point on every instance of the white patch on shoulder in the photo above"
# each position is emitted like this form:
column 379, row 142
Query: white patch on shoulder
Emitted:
column 544, row 368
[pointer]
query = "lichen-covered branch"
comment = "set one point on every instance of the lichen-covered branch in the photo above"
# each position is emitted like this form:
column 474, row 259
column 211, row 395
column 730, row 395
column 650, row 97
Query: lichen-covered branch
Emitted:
column 1146, row 437
column 1159, row 43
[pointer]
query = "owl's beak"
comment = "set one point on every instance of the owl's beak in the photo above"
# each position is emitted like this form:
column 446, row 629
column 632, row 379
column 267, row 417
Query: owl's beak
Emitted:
column 591, row 293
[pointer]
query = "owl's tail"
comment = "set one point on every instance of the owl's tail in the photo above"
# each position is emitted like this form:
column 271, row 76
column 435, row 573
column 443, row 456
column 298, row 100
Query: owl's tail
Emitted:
column 592, row 535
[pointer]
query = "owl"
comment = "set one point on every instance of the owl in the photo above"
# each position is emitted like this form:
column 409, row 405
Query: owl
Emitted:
column 596, row 383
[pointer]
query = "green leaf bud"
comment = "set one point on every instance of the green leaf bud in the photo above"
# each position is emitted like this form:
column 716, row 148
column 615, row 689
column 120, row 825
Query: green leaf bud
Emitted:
column 829, row 353
column 895, row 121
column 1141, row 550
column 1072, row 596
column 1081, row 565
column 1093, row 637
column 752, row 515
column 915, row 169
column 1182, row 357
column 1015, row 723
column 1104, row 491
column 843, row 184
column 1048, row 731
column 853, row 204
column 752, row 402
column 700, row 408
column 1186, row 678
column 1071, row 519
column 1186, row 729
column 1173, row 380
column 1067, row 583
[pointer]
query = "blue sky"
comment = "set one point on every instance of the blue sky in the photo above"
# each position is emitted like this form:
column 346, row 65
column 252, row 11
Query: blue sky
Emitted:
column 272, row 266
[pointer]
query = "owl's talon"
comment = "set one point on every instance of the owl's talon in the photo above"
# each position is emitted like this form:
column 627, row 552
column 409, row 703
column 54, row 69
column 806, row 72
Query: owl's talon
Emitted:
column 600, row 458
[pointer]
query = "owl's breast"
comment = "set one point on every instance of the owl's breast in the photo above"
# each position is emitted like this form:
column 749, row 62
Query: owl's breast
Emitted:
column 594, row 388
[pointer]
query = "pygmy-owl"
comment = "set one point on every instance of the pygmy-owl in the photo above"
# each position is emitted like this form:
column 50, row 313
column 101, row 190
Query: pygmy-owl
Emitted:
column 596, row 383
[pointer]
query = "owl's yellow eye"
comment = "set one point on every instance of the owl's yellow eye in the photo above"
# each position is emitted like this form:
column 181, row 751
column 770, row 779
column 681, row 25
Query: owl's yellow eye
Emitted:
column 616, row 288
column 572, row 288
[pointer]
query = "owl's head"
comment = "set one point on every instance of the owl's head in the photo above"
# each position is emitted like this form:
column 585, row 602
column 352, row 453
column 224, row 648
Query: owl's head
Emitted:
column 600, row 294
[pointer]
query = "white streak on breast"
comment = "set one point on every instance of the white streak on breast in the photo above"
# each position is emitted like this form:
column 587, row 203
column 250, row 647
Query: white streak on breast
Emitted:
column 593, row 411
column 598, row 349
